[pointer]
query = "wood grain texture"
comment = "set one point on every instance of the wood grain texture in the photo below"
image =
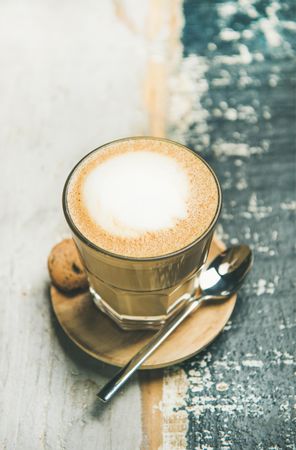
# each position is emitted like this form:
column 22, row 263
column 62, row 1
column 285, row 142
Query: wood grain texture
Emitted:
column 72, row 78
column 163, row 32
column 151, row 384
column 59, row 65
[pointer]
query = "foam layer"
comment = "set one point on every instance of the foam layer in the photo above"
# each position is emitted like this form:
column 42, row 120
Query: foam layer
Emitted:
column 137, row 192
column 142, row 197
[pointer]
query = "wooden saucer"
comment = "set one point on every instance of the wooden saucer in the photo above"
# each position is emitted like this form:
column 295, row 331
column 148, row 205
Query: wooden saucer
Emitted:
column 98, row 336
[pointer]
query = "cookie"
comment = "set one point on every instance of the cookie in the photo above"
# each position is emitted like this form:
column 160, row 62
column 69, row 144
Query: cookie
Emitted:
column 65, row 268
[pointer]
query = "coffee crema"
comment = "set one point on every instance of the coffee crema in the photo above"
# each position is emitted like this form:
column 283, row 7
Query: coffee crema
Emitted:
column 142, row 197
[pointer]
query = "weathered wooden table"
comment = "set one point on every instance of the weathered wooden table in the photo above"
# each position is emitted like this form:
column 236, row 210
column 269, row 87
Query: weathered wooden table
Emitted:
column 218, row 76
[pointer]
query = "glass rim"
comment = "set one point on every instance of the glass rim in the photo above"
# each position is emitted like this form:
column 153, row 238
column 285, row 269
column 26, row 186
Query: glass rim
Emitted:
column 90, row 244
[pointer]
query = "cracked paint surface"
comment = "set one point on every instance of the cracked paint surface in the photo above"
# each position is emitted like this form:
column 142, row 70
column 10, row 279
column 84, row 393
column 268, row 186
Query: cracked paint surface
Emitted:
column 233, row 101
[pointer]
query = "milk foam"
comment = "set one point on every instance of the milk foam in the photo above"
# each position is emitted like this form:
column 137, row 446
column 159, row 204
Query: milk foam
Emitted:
column 136, row 192
column 142, row 197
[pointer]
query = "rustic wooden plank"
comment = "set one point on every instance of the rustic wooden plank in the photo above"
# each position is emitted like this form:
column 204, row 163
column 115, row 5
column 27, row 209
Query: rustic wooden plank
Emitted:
column 166, row 19
column 63, row 68
column 234, row 100
column 151, row 383
column 63, row 71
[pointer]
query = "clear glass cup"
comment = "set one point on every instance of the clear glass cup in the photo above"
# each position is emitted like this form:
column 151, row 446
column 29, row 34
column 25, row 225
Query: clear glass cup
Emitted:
column 142, row 293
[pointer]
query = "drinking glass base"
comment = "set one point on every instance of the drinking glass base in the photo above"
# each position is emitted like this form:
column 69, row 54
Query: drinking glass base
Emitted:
column 129, row 323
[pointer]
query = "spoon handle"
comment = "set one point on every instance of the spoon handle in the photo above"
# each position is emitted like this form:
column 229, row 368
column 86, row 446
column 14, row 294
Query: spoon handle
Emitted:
column 107, row 392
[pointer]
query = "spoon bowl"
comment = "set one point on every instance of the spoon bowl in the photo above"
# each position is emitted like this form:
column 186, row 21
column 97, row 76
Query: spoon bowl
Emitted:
column 226, row 273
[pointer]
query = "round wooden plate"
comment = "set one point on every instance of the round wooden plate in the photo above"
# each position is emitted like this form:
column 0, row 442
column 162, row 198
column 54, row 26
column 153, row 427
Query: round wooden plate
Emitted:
column 98, row 336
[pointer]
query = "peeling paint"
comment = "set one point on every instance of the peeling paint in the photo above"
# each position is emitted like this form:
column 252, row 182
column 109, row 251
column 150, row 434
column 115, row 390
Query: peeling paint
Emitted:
column 187, row 88
column 252, row 363
column 175, row 418
column 288, row 206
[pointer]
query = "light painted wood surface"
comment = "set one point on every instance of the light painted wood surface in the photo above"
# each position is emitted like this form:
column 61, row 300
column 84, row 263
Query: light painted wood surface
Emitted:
column 73, row 75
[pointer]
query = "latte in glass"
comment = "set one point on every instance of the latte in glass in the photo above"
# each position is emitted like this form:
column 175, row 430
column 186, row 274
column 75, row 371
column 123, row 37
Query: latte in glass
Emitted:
column 142, row 211
column 142, row 198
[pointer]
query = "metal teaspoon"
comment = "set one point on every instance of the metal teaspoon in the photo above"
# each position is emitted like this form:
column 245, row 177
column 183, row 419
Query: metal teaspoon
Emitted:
column 219, row 281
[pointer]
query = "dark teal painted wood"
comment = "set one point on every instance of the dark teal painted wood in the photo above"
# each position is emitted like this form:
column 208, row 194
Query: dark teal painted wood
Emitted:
column 255, row 357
